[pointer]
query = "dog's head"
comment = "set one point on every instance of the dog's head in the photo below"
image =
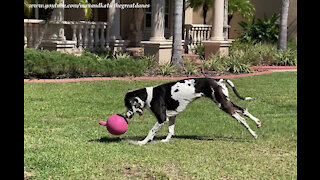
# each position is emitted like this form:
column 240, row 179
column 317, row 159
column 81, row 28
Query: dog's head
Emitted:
column 134, row 103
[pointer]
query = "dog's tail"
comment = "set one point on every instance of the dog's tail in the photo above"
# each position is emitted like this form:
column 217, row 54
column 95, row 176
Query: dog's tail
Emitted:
column 235, row 91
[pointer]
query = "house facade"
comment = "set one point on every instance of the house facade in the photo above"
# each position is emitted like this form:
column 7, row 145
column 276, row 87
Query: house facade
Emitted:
column 131, row 27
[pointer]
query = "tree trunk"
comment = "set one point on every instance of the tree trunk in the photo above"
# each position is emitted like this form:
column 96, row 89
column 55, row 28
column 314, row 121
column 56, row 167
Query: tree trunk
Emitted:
column 176, row 58
column 282, row 42
column 204, row 11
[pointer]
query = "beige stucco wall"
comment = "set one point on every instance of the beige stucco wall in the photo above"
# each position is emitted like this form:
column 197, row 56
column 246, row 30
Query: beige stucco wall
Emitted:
column 262, row 7
column 191, row 17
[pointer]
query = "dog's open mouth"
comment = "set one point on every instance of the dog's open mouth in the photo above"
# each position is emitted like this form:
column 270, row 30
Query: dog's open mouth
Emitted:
column 140, row 112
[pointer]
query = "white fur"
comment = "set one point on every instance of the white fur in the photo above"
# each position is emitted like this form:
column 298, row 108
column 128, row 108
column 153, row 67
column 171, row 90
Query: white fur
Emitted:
column 230, row 82
column 244, row 123
column 151, row 134
column 256, row 120
column 224, row 89
column 184, row 96
column 171, row 133
column 149, row 96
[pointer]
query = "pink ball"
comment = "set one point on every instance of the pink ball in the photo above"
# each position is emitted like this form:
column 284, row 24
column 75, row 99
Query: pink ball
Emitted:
column 116, row 124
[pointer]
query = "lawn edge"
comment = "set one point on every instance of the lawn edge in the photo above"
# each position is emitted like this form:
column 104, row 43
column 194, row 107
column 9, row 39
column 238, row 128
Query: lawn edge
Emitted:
column 261, row 70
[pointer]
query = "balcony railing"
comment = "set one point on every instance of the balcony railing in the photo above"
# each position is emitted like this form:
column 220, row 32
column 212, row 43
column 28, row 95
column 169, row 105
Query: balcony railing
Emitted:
column 32, row 32
column 194, row 35
column 87, row 35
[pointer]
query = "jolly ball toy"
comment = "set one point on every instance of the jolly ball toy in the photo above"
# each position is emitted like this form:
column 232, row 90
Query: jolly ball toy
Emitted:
column 116, row 124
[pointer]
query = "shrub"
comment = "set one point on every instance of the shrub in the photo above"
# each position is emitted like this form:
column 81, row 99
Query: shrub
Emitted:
column 286, row 58
column 53, row 64
column 233, row 63
column 190, row 67
column 199, row 50
column 263, row 53
column 216, row 63
column 262, row 31
column 167, row 69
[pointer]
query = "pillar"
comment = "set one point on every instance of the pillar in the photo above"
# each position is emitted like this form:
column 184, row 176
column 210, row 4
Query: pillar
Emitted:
column 55, row 38
column 217, row 45
column 114, row 20
column 116, row 43
column 217, row 20
column 157, row 20
column 158, row 46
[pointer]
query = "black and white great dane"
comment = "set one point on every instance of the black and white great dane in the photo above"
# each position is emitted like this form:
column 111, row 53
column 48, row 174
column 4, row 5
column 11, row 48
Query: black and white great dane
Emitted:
column 166, row 101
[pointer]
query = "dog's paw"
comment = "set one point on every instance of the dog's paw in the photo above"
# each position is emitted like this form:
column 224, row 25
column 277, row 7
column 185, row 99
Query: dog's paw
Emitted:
column 141, row 143
column 165, row 140
column 255, row 136
column 259, row 124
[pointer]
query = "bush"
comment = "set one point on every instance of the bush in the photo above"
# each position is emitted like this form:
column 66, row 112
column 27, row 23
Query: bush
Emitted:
column 53, row 64
column 167, row 69
column 235, row 63
column 190, row 67
column 262, row 31
column 243, row 55
column 264, row 54
column 199, row 50
column 286, row 58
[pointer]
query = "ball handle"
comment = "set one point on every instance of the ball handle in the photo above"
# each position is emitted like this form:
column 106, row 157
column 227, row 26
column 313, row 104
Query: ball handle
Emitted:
column 103, row 123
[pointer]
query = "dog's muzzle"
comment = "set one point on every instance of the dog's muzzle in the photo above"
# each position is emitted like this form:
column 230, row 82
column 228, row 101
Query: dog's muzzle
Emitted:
column 140, row 112
column 129, row 114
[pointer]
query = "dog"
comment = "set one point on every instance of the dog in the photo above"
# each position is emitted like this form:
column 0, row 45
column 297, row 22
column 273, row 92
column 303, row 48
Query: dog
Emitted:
column 166, row 101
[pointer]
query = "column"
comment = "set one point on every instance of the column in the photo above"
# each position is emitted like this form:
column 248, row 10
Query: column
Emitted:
column 114, row 20
column 157, row 20
column 57, row 27
column 55, row 38
column 217, row 45
column 217, row 23
column 171, row 19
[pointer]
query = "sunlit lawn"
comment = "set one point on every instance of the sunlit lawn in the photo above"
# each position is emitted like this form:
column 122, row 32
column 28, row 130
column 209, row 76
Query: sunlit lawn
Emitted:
column 63, row 140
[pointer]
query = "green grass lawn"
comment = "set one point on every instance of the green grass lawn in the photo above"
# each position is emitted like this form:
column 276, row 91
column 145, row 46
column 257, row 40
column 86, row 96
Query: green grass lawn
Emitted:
column 63, row 140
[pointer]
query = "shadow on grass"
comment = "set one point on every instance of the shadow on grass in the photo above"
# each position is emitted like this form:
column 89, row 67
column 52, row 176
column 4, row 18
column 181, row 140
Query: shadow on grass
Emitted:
column 158, row 138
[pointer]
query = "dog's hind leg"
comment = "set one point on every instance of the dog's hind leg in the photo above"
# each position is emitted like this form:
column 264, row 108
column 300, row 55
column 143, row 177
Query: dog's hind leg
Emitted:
column 256, row 120
column 244, row 123
column 171, row 129
column 234, row 110
column 246, row 113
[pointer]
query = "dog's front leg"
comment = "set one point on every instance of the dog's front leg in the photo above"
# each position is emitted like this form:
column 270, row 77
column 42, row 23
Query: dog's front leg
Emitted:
column 151, row 134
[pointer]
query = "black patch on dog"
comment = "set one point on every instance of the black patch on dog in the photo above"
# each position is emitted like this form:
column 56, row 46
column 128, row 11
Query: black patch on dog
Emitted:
column 176, row 90
column 141, row 93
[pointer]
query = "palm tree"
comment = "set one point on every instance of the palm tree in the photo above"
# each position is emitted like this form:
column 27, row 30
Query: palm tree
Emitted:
column 204, row 4
column 242, row 7
column 282, row 42
column 87, row 11
column 176, row 57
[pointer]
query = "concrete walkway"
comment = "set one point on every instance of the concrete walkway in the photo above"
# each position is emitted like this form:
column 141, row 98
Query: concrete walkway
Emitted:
column 261, row 69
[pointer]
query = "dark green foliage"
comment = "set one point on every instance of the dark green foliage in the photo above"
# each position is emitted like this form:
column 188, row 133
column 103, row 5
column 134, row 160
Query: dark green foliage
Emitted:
column 261, row 31
column 199, row 50
column 53, row 64
column 243, row 55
